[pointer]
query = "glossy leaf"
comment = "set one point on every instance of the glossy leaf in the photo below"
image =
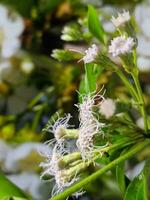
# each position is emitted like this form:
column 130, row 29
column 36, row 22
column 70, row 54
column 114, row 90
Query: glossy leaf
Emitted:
column 137, row 189
column 95, row 27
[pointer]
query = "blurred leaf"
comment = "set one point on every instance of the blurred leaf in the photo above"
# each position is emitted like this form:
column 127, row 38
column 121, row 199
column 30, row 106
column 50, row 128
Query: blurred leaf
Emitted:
column 71, row 33
column 22, row 6
column 9, row 189
column 48, row 5
column 120, row 177
column 7, row 131
column 95, row 27
column 62, row 55
column 27, row 134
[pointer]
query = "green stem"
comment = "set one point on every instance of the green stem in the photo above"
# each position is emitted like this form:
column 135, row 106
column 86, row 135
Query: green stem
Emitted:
column 141, row 99
column 97, row 174
column 128, row 84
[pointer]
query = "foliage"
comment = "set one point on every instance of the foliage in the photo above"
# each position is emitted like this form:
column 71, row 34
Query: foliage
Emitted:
column 109, row 98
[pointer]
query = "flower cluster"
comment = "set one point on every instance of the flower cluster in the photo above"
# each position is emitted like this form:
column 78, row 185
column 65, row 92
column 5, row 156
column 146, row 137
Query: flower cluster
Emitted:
column 90, row 54
column 89, row 126
column 52, row 167
column 121, row 45
column 65, row 164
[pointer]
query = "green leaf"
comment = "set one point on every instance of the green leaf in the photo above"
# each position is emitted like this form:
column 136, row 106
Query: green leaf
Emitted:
column 137, row 189
column 95, row 27
column 120, row 177
column 9, row 189
column 88, row 82
column 23, row 7
column 48, row 5
column 91, row 73
column 81, row 88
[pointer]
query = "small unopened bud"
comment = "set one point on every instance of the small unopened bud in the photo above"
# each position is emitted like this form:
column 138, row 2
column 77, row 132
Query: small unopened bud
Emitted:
column 62, row 55
column 68, row 159
column 71, row 33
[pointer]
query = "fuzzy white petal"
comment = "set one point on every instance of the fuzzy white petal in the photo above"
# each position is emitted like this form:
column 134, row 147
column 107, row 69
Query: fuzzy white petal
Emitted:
column 121, row 19
column 121, row 45
column 90, row 54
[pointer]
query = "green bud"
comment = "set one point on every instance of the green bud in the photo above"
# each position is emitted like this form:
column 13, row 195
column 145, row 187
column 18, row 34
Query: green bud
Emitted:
column 76, row 170
column 67, row 159
column 62, row 55
column 71, row 133
column 68, row 134
column 71, row 33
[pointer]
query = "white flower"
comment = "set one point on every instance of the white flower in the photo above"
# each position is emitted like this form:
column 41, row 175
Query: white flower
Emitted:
column 58, row 128
column 121, row 45
column 89, row 126
column 121, row 19
column 63, row 181
column 50, row 165
column 11, row 27
column 107, row 108
column 90, row 54
column 85, row 139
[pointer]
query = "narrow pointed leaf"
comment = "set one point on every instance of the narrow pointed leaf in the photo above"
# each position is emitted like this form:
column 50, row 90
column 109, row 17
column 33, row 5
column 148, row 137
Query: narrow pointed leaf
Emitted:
column 95, row 27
